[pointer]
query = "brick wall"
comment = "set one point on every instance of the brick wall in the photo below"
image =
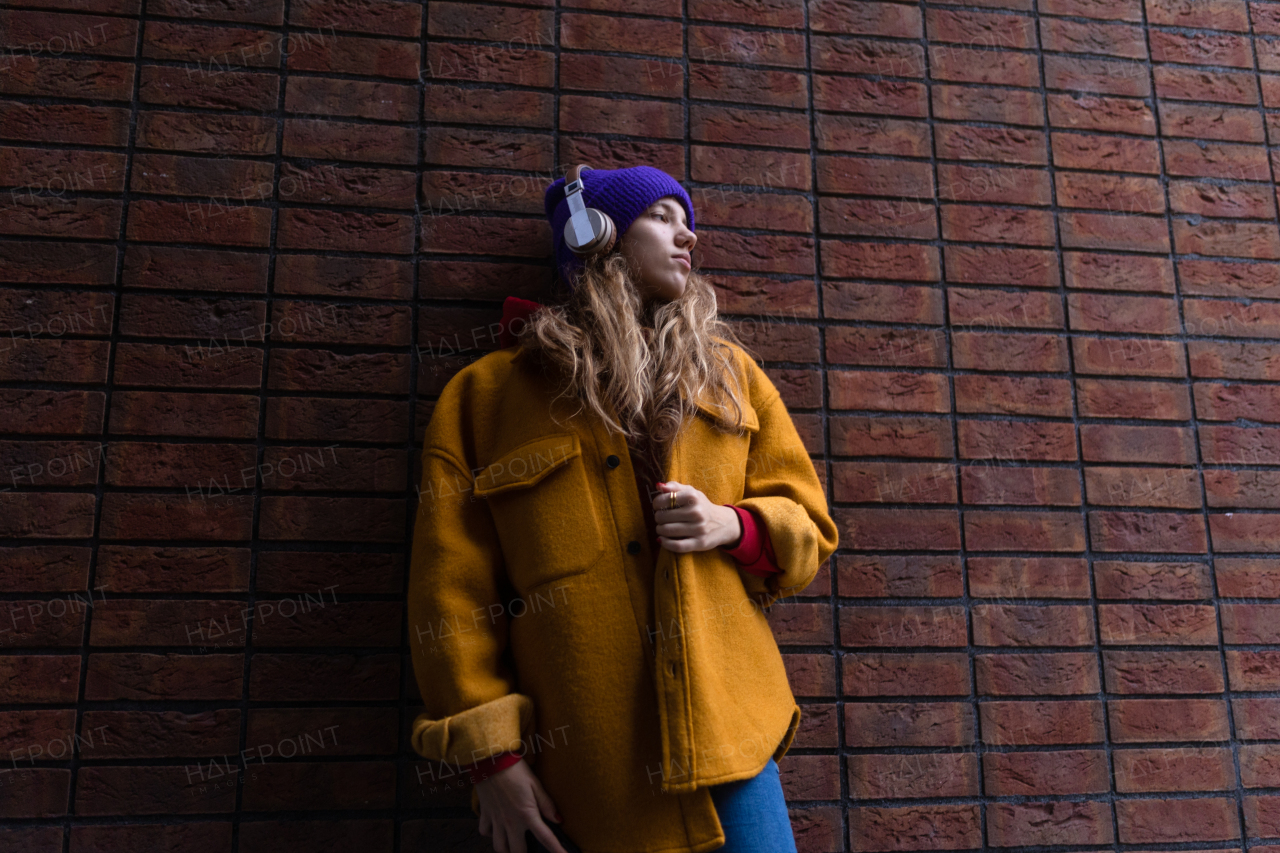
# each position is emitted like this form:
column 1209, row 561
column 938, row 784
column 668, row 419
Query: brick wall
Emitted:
column 1012, row 264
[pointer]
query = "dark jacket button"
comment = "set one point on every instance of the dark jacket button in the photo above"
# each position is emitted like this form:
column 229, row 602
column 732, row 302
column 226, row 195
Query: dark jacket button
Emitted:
column 633, row 547
column 612, row 461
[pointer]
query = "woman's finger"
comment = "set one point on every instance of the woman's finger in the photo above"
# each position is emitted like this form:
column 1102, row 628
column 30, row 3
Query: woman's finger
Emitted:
column 547, row 838
column 518, row 842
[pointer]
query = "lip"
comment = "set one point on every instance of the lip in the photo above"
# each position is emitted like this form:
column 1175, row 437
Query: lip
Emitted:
column 684, row 259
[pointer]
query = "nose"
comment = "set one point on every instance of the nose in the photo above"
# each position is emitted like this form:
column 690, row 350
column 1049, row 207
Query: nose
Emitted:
column 687, row 238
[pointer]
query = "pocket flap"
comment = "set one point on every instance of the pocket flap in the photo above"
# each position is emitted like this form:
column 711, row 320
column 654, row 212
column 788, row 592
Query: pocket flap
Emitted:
column 527, row 464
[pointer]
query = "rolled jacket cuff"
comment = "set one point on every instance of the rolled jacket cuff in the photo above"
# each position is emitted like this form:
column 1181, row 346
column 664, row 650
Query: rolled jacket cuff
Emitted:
column 477, row 733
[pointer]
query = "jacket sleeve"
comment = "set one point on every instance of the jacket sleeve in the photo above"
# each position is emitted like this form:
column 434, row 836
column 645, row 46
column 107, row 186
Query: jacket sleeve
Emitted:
column 458, row 624
column 783, row 489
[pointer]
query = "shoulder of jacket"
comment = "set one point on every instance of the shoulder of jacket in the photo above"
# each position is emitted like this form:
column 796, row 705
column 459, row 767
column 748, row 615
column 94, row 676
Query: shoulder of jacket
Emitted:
column 483, row 377
column 759, row 386
column 467, row 403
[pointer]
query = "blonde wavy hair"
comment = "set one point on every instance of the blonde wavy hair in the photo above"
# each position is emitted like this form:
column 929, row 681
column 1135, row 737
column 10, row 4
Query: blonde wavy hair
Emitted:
column 649, row 361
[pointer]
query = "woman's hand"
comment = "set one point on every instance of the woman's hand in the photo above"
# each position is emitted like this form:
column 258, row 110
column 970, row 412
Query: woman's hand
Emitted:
column 513, row 801
column 696, row 524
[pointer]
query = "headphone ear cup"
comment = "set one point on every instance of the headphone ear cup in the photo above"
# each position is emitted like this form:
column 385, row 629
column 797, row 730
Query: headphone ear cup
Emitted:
column 604, row 234
column 610, row 235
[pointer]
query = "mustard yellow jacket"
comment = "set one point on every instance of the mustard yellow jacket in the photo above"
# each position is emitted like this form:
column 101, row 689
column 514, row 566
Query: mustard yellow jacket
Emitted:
column 541, row 622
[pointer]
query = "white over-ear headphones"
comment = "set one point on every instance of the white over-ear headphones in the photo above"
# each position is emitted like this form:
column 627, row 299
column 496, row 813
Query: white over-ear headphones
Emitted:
column 589, row 231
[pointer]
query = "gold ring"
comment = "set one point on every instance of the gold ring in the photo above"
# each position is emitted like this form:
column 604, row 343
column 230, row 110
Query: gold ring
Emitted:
column 673, row 500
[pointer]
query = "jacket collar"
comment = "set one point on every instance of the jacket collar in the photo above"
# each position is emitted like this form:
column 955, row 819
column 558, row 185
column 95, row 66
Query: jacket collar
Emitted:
column 515, row 313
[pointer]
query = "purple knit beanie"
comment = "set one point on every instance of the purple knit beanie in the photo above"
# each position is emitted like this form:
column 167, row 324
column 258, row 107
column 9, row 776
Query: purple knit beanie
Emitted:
column 624, row 194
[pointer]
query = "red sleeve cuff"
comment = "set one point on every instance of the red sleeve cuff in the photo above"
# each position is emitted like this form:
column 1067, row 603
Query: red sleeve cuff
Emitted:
column 487, row 767
column 753, row 551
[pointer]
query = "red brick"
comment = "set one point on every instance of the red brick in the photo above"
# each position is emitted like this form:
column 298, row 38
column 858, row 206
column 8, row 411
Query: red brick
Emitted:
column 1061, row 673
column 1147, row 720
column 1028, row 577
column 206, row 513
column 1015, row 395
column 1001, row 145
column 326, row 140
column 64, row 123
column 880, row 674
column 1060, row 822
column 36, row 793
column 312, row 785
column 148, row 791
column 1097, row 271
column 923, row 827
column 921, row 724
column 39, row 679
column 130, row 568
column 324, row 677
column 1180, row 820
column 1115, row 579
column 382, row 17
column 896, row 776
column 1097, row 76
column 157, row 677
column 206, row 133
column 42, row 76
column 1249, row 670
column 876, row 19
column 1225, row 123
column 1182, row 769
column 32, row 839
column 533, row 109
column 1255, row 718
column 1217, row 14
column 1101, row 113
column 58, row 34
column 211, row 50
column 850, row 94
column 1108, row 398
column 1153, row 487
column 1163, row 672
column 53, row 515
column 1063, row 772
column 226, row 90
column 1034, row 723
column 869, row 577
column 363, row 56
column 196, row 269
column 1121, row 40
column 163, row 734
column 201, row 837
column 322, row 836
column 1032, row 625
column 43, row 568
column 370, row 100
column 754, row 48
column 263, row 12
column 902, row 626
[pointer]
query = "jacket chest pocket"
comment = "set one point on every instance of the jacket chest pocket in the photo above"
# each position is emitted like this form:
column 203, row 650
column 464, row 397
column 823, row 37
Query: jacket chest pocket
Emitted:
column 547, row 520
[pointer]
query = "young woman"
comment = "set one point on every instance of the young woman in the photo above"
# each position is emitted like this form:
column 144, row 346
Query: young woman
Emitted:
column 607, row 506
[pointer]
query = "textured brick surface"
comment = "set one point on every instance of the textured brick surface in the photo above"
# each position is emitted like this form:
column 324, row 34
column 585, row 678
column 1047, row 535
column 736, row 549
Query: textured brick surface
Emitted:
column 1014, row 264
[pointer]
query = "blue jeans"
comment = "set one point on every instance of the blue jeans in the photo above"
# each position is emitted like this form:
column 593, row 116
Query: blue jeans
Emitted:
column 753, row 814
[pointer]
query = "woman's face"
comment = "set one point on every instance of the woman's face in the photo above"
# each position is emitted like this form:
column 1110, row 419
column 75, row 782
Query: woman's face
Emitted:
column 659, row 245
